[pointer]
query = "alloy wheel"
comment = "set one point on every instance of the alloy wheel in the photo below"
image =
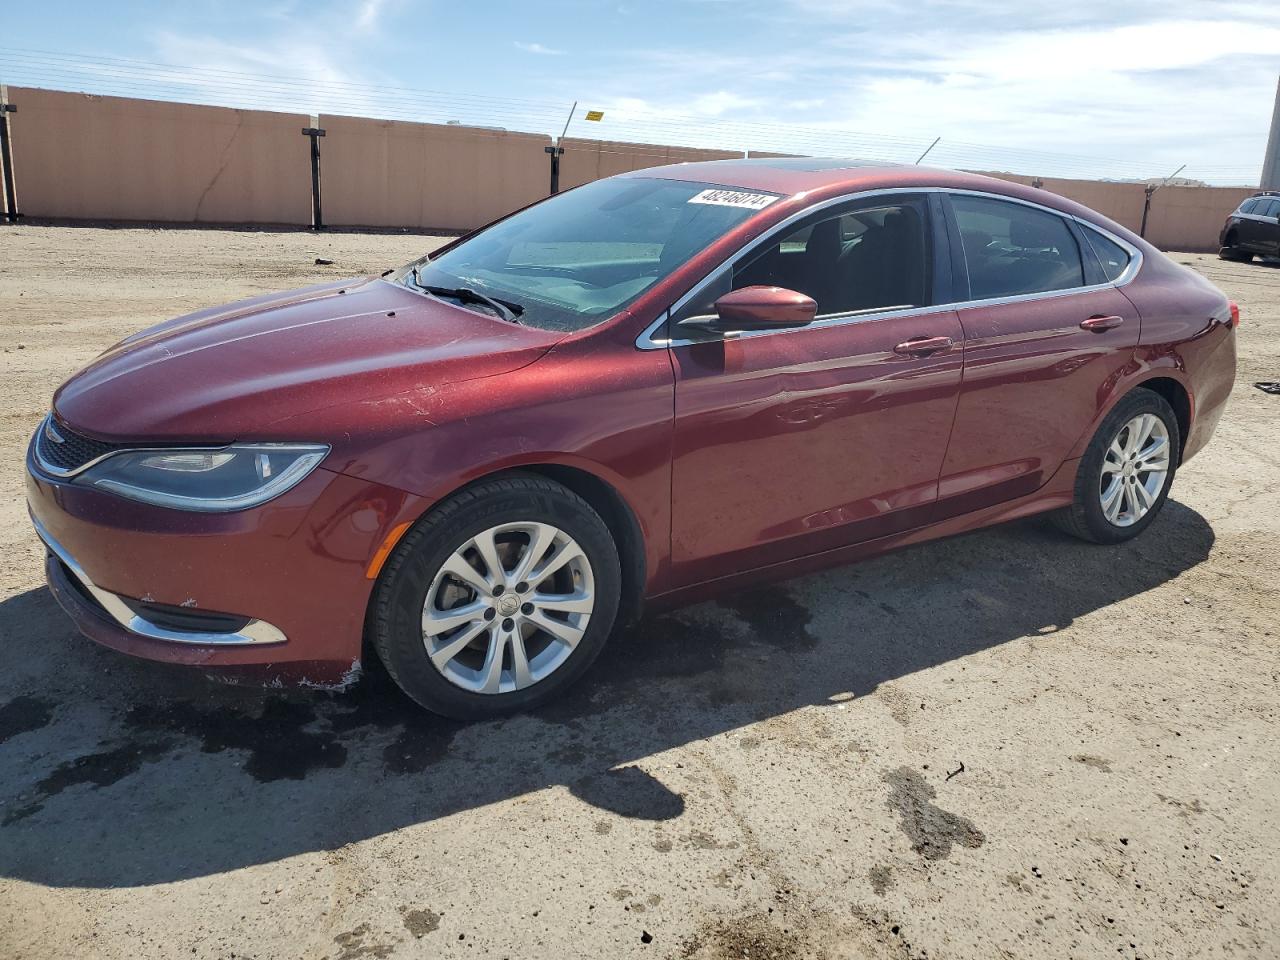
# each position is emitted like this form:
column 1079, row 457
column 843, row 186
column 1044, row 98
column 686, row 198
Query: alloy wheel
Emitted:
column 508, row 607
column 1134, row 470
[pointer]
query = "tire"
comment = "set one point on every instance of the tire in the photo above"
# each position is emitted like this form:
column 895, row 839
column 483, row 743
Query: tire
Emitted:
column 1087, row 517
column 1229, row 251
column 456, row 531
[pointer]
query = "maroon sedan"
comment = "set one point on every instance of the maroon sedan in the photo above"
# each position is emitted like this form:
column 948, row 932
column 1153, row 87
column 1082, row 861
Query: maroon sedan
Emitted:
column 652, row 388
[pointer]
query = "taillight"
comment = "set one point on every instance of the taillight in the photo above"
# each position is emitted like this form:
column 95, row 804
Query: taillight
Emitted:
column 1235, row 314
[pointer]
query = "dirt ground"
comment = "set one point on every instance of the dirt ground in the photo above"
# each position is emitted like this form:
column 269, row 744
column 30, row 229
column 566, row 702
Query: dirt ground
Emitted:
column 774, row 775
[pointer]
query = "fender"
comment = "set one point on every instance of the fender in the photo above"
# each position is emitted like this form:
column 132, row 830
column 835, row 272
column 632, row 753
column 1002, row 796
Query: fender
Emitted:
column 1134, row 374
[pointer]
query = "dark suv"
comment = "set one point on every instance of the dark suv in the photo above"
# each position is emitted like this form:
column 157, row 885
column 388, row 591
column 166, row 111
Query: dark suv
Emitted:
column 1253, row 229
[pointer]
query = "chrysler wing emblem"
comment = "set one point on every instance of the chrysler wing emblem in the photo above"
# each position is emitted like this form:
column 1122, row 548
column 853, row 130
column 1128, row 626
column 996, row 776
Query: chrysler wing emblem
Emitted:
column 52, row 433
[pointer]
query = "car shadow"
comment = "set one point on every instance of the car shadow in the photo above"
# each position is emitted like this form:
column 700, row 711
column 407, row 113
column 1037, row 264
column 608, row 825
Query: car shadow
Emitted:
column 115, row 772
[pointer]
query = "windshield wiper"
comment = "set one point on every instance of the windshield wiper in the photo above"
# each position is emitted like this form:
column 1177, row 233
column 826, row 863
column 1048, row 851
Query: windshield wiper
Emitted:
column 504, row 308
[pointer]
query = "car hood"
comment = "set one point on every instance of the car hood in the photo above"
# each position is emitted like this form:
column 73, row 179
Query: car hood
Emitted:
column 236, row 372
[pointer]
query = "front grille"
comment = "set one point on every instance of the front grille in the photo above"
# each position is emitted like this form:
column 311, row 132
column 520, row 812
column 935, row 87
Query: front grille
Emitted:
column 72, row 453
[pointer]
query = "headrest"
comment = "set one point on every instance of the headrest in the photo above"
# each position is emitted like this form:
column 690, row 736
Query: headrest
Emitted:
column 1034, row 233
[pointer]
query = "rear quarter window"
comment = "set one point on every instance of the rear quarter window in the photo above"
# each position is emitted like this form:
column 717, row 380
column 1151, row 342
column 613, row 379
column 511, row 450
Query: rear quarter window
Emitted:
column 1113, row 257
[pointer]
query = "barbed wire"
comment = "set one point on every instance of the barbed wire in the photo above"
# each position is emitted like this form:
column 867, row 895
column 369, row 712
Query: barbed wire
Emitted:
column 214, row 86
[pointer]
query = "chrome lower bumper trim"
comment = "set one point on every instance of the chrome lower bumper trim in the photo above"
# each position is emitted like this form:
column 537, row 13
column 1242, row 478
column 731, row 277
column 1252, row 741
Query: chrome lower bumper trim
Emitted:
column 253, row 632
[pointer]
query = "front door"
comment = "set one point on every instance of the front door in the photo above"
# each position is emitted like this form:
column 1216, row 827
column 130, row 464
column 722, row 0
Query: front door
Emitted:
column 793, row 442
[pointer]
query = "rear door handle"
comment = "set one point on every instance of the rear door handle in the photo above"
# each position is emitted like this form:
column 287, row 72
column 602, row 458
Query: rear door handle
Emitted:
column 1099, row 324
column 923, row 346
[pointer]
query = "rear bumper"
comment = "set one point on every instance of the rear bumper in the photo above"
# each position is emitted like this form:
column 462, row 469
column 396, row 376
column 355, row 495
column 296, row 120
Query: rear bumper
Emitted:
column 288, row 579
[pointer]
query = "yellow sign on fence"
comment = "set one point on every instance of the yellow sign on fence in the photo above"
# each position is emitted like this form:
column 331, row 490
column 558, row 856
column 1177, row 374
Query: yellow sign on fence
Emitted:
column 595, row 114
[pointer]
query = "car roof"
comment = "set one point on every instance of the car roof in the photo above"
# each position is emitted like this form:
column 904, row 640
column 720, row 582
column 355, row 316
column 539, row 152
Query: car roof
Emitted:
column 824, row 177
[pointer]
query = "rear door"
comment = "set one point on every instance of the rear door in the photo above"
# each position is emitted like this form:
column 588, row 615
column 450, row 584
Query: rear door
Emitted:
column 1252, row 229
column 793, row 442
column 1243, row 226
column 1268, row 227
column 1045, row 330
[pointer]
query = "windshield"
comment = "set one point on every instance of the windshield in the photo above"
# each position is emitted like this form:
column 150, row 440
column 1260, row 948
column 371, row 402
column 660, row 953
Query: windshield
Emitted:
column 582, row 256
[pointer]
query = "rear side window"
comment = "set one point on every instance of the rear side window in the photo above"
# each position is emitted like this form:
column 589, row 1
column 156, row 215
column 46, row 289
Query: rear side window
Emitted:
column 1268, row 209
column 1248, row 206
column 1012, row 249
column 1113, row 257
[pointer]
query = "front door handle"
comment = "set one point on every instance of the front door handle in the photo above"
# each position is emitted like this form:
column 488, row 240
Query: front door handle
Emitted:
column 1099, row 324
column 923, row 346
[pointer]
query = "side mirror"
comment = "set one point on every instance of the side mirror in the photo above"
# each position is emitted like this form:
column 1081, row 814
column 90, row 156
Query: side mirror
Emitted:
column 756, row 308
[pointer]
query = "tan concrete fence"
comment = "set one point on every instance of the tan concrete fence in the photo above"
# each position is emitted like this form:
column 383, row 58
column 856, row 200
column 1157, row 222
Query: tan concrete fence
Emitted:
column 113, row 158
column 84, row 157
column 389, row 173
column 587, row 160
column 1181, row 218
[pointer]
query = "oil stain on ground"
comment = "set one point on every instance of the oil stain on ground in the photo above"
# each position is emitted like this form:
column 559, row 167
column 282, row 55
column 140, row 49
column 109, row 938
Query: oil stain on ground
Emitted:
column 277, row 741
column 421, row 922
column 285, row 738
column 774, row 616
column 290, row 737
column 881, row 878
column 99, row 769
column 932, row 830
column 655, row 649
column 24, row 714
column 375, row 703
column 360, row 942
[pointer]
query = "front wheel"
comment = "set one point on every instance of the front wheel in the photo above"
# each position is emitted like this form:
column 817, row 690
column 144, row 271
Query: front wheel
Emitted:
column 1124, row 476
column 498, row 599
column 1229, row 251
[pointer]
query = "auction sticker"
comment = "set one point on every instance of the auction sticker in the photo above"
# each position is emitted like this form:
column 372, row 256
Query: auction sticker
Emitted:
column 734, row 198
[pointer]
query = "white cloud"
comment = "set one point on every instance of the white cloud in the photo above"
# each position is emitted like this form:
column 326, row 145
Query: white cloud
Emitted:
column 370, row 11
column 1107, row 89
column 539, row 49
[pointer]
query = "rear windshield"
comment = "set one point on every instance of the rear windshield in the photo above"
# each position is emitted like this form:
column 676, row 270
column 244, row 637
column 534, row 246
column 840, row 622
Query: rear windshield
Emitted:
column 582, row 256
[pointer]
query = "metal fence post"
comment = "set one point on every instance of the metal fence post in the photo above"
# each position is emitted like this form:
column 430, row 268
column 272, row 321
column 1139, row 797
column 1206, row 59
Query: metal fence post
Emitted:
column 315, row 133
column 6, row 156
column 555, row 167
column 1149, row 189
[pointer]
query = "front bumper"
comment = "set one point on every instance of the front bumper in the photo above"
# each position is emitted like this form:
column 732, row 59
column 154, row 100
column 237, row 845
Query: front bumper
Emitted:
column 137, row 618
column 291, row 574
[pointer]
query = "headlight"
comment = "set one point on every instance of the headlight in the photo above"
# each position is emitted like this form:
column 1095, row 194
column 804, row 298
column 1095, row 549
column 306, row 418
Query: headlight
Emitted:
column 213, row 481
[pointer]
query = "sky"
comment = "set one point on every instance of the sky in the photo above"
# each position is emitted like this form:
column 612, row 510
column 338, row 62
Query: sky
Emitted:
column 1095, row 88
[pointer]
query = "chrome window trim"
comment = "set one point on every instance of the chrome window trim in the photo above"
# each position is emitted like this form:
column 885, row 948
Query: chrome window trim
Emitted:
column 648, row 339
column 256, row 632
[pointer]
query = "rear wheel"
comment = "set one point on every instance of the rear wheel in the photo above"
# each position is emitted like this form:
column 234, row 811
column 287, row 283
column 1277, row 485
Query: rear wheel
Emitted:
column 498, row 599
column 1124, row 476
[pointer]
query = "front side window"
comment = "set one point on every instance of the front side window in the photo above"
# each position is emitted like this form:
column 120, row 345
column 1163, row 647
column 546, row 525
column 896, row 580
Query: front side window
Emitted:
column 871, row 258
column 1113, row 257
column 1011, row 249
column 580, row 257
